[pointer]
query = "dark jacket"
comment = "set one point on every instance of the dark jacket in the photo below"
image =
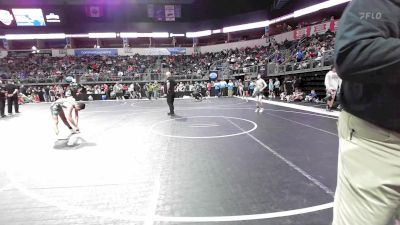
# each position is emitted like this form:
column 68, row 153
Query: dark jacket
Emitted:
column 368, row 60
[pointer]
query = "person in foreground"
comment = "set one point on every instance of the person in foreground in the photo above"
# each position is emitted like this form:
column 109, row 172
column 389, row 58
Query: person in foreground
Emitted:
column 69, row 105
column 258, row 92
column 367, row 60
column 170, row 93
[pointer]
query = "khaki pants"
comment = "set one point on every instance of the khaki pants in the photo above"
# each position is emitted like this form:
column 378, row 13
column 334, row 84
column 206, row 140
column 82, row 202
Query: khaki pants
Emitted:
column 368, row 189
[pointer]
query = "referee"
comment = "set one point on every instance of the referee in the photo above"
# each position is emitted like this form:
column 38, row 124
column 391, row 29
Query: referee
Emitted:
column 171, row 83
column 2, row 99
column 368, row 61
column 12, row 97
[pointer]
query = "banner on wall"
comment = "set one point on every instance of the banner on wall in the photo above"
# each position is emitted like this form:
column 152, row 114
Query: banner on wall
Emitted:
column 320, row 28
column 213, row 75
column 298, row 34
column 266, row 31
column 28, row 53
column 59, row 52
column 68, row 42
column 5, row 44
column 151, row 51
column 335, row 26
column 125, row 42
column 106, row 52
column 177, row 51
column 169, row 13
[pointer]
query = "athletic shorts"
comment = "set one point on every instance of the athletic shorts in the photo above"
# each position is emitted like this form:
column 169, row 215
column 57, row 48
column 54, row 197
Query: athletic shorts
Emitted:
column 56, row 109
column 257, row 92
column 245, row 89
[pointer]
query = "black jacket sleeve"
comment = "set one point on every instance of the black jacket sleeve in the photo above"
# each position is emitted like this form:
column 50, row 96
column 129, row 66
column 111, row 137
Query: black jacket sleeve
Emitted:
column 367, row 43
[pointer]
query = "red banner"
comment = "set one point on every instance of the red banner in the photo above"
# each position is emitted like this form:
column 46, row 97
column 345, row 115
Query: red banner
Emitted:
column 319, row 28
column 316, row 29
column 301, row 32
column 336, row 25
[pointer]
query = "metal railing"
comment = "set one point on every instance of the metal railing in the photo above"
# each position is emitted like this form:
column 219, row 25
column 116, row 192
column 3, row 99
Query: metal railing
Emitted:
column 91, row 79
column 319, row 63
column 273, row 69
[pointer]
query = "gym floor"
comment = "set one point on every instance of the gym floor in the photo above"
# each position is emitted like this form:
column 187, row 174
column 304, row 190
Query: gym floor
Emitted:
column 217, row 162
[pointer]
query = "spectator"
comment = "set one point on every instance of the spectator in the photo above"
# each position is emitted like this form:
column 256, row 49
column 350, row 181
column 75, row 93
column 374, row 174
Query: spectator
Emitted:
column 277, row 85
column 156, row 89
column 131, row 91
column 217, row 89
column 12, row 97
column 223, row 86
column 271, row 93
column 118, row 91
column 298, row 95
column 332, row 85
column 251, row 87
column 312, row 97
column 138, row 91
column 230, row 88
column 209, row 87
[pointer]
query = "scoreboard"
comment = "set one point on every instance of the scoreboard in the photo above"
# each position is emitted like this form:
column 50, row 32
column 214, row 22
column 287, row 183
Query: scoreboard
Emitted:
column 29, row 17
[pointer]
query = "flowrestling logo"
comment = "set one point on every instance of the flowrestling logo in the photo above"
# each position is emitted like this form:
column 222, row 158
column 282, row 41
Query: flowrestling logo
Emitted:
column 109, row 52
column 6, row 17
column 370, row 15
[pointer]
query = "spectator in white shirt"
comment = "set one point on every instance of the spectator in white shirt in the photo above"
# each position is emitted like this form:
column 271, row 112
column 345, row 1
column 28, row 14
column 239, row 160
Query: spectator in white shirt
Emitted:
column 277, row 85
column 332, row 85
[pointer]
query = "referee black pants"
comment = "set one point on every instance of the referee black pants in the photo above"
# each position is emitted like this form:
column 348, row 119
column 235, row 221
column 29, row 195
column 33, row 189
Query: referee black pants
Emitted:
column 170, row 101
column 12, row 101
column 2, row 105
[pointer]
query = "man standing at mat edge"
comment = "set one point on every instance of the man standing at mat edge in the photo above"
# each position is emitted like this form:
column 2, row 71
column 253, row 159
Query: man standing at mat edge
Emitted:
column 258, row 92
column 2, row 99
column 368, row 61
column 12, row 97
column 170, row 93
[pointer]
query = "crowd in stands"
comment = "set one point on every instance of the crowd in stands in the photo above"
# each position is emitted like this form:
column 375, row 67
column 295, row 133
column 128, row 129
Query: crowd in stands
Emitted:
column 289, row 90
column 293, row 54
column 299, row 54
column 92, row 68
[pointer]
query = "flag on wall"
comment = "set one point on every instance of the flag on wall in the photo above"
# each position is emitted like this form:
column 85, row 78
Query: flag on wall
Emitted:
column 94, row 11
column 5, row 44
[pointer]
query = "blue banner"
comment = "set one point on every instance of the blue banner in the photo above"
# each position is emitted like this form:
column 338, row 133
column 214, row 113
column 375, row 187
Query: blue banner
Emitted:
column 177, row 51
column 105, row 51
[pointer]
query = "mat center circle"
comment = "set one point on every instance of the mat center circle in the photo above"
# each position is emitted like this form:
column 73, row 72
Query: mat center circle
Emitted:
column 203, row 127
